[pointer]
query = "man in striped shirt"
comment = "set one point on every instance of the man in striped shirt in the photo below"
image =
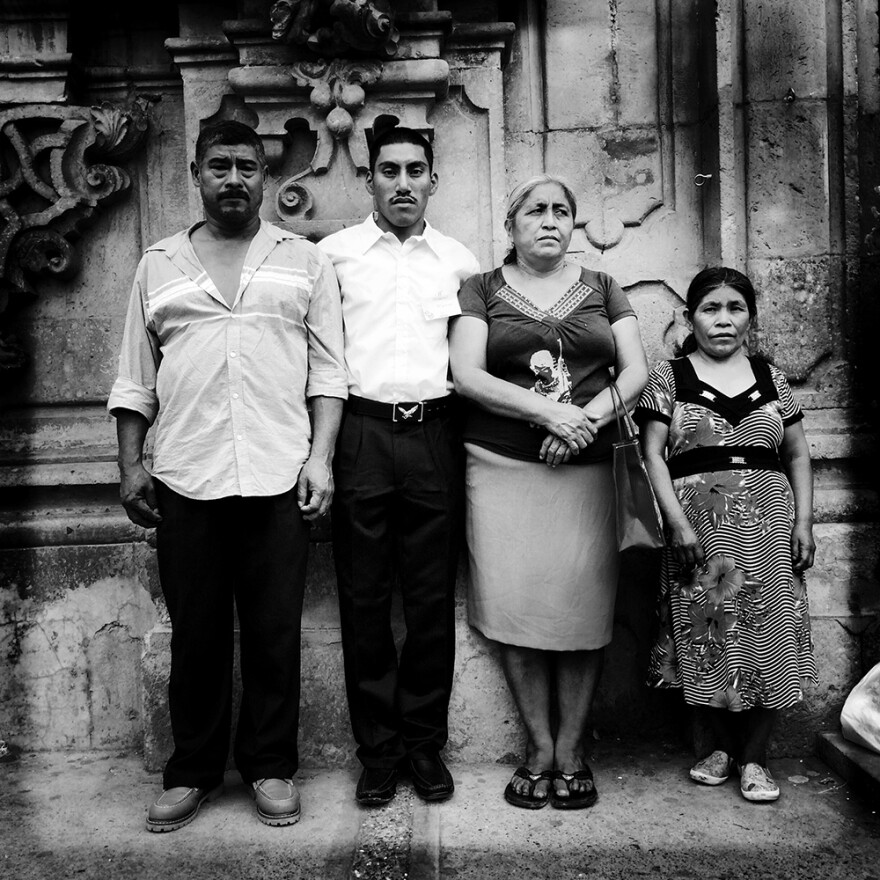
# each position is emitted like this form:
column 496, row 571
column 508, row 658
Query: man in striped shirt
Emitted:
column 233, row 325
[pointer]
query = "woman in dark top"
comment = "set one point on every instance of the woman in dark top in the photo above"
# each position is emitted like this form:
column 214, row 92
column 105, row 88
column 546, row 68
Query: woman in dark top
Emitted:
column 531, row 352
column 726, row 452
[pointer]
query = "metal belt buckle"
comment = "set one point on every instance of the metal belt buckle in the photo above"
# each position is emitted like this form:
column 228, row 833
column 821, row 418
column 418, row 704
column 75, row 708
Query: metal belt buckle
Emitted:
column 737, row 459
column 407, row 414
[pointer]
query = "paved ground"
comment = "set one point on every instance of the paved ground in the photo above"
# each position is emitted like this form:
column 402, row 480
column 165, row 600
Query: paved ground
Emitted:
column 81, row 816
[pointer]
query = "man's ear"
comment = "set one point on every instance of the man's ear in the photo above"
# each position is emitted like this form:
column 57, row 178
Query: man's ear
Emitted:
column 368, row 182
column 434, row 181
column 687, row 318
column 194, row 172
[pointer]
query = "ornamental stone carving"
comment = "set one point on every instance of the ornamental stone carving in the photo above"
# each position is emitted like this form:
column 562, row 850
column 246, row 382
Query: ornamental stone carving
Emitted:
column 57, row 165
column 334, row 27
column 338, row 96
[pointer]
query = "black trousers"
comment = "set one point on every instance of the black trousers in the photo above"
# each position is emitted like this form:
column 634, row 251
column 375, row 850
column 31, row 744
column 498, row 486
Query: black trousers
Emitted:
column 250, row 551
column 397, row 519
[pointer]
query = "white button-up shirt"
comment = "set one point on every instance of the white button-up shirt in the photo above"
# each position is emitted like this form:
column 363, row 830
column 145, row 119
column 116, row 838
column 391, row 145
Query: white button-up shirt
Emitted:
column 229, row 383
column 396, row 303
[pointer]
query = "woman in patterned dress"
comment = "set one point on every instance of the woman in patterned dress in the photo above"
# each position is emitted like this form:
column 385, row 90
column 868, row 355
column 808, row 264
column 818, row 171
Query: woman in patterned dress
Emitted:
column 726, row 452
column 530, row 353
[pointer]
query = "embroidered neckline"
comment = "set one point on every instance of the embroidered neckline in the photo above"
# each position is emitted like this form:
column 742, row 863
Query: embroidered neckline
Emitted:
column 559, row 311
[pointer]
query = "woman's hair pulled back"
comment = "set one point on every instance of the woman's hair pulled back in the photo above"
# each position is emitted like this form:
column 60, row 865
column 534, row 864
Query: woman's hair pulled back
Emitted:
column 523, row 190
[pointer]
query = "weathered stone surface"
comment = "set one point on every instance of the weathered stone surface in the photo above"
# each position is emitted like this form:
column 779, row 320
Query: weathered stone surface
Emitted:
column 155, row 669
column 579, row 62
column 785, row 48
column 483, row 722
column 843, row 582
column 321, row 607
column 618, row 172
column 795, row 326
column 325, row 738
column 788, row 210
column 71, row 645
column 637, row 34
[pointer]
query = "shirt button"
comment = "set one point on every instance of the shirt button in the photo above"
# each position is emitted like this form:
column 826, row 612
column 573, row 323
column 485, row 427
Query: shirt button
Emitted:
column 238, row 436
column 232, row 354
column 235, row 397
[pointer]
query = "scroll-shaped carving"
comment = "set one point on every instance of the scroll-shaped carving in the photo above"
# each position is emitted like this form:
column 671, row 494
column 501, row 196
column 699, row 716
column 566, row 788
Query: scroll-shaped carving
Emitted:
column 56, row 168
column 293, row 201
column 338, row 95
column 332, row 27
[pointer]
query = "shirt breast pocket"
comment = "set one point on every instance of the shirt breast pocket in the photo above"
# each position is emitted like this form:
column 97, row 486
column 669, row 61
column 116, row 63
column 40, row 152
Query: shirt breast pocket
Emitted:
column 439, row 306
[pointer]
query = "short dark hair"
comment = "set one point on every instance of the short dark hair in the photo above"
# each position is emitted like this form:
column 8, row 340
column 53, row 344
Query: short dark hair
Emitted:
column 399, row 134
column 229, row 133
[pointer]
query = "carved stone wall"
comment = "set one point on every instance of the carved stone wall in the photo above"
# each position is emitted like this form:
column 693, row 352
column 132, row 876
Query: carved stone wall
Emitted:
column 694, row 132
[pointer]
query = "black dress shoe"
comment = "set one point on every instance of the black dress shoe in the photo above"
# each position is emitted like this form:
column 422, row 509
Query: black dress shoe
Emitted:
column 377, row 785
column 430, row 777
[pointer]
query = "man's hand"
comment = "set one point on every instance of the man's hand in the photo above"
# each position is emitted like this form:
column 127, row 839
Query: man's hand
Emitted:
column 314, row 489
column 138, row 495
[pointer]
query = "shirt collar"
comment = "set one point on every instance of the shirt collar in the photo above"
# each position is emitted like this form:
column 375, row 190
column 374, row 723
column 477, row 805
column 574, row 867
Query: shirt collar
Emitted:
column 371, row 233
column 173, row 245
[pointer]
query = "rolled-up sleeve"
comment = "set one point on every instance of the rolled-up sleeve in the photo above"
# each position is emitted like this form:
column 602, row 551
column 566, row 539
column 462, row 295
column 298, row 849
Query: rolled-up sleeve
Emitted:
column 139, row 358
column 327, row 376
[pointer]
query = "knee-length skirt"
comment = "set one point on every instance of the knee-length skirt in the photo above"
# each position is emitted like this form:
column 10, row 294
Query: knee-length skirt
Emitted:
column 542, row 549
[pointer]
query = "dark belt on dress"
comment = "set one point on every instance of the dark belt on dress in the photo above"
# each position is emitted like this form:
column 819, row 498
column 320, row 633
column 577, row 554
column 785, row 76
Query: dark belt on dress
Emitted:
column 407, row 412
column 723, row 458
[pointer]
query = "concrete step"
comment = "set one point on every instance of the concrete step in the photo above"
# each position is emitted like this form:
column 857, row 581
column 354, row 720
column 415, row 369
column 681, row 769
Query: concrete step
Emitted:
column 859, row 766
column 81, row 815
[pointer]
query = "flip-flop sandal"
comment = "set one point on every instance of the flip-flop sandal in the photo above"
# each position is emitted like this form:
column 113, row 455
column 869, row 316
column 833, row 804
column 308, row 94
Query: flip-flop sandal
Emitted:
column 528, row 801
column 576, row 800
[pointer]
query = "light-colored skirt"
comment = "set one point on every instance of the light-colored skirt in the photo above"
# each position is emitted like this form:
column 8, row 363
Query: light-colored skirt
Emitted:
column 542, row 547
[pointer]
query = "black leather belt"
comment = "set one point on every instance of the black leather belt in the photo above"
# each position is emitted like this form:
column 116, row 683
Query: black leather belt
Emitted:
column 707, row 459
column 407, row 412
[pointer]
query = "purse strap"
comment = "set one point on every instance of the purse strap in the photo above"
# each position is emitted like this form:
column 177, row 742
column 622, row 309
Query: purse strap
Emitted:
column 626, row 427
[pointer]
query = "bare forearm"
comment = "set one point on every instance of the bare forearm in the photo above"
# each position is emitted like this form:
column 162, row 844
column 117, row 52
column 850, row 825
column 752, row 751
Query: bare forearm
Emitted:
column 795, row 455
column 800, row 475
column 663, row 489
column 630, row 382
column 327, row 415
column 499, row 396
column 131, row 431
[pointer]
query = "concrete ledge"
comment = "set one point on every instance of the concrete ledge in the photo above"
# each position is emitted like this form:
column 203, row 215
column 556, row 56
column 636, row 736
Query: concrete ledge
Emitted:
column 860, row 767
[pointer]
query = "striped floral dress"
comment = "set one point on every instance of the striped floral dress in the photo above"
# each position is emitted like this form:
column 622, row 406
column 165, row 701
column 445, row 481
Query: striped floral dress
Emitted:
column 734, row 633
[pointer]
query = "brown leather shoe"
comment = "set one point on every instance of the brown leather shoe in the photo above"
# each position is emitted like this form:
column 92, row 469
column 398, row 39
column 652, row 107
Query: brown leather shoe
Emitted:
column 277, row 801
column 178, row 806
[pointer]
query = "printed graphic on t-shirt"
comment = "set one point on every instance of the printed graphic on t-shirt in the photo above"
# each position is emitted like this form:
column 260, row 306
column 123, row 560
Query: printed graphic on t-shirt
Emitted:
column 552, row 378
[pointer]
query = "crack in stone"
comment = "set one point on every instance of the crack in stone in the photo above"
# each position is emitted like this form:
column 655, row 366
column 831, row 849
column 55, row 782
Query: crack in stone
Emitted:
column 382, row 849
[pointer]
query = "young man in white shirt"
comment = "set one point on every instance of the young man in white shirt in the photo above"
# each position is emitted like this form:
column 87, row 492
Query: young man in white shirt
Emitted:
column 397, row 512
column 232, row 325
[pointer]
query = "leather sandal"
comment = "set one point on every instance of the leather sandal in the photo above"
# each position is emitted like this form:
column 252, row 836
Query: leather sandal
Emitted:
column 529, row 800
column 575, row 800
